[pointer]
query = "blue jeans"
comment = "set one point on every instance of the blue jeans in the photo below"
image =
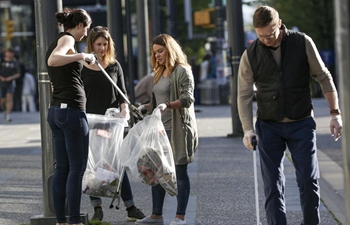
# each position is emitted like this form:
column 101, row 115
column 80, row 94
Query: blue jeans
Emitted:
column 70, row 134
column 300, row 138
column 126, row 194
column 183, row 189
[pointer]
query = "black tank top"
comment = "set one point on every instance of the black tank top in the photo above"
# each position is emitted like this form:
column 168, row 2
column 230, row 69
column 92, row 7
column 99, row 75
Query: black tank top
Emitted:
column 66, row 80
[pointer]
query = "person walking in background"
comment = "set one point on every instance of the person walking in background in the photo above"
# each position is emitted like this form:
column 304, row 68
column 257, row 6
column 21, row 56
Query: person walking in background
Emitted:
column 28, row 92
column 280, row 63
column 144, row 88
column 212, row 66
column 9, row 72
column 173, row 95
column 17, row 95
column 205, row 67
column 102, row 95
column 66, row 115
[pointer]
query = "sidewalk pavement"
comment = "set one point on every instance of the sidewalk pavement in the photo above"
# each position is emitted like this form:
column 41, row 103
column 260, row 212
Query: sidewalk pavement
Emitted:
column 222, row 184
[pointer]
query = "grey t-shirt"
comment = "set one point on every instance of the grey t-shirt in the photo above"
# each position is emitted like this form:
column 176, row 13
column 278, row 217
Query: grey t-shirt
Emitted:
column 161, row 92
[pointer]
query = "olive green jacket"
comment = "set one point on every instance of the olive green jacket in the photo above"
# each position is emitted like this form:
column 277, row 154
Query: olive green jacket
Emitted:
column 184, row 136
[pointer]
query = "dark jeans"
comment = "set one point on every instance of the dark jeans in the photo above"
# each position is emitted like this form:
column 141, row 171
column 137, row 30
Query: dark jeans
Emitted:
column 70, row 134
column 126, row 194
column 183, row 188
column 300, row 138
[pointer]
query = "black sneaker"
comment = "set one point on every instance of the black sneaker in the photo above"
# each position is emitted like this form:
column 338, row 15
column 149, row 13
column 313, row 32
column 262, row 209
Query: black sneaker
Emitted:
column 135, row 214
column 98, row 213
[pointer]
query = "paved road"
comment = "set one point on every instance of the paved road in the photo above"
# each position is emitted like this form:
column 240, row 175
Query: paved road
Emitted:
column 221, row 176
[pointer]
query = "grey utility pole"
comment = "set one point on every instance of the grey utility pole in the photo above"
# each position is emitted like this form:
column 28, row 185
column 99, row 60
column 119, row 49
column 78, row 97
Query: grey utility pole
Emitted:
column 188, row 18
column 236, row 43
column 45, row 23
column 342, row 34
column 143, row 59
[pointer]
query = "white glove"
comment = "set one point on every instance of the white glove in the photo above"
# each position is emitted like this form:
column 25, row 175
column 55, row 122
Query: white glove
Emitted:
column 336, row 126
column 89, row 58
column 113, row 112
column 125, row 113
column 248, row 138
column 142, row 109
column 162, row 107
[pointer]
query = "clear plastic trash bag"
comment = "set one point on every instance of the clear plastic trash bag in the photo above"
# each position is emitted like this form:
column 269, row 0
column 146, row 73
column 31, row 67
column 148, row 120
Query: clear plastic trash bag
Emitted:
column 103, row 171
column 147, row 155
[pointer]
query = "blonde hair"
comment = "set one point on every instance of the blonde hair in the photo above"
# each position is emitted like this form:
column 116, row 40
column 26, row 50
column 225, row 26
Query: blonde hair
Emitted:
column 175, row 55
column 95, row 33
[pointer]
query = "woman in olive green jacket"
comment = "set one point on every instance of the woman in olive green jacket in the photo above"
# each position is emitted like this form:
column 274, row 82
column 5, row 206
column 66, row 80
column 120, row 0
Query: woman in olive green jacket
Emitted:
column 173, row 94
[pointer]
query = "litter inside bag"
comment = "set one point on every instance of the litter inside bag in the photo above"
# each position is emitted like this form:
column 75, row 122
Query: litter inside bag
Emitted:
column 147, row 154
column 104, row 168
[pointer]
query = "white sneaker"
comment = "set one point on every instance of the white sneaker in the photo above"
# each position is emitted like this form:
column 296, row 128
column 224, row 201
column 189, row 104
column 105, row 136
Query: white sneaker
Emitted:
column 178, row 221
column 149, row 220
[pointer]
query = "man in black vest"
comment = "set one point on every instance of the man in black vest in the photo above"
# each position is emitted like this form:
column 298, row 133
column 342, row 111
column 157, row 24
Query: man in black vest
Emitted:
column 280, row 63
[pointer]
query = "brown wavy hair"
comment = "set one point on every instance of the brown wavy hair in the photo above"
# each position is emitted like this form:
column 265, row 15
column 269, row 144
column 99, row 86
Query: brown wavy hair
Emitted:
column 174, row 57
column 99, row 31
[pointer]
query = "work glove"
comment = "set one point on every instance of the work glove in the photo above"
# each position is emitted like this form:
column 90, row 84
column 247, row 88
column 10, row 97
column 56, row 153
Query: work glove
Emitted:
column 89, row 58
column 162, row 107
column 125, row 113
column 336, row 126
column 248, row 139
column 113, row 112
column 142, row 109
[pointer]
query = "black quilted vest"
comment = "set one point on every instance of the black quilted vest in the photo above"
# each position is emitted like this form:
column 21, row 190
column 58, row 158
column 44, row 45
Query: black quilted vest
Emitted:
column 282, row 92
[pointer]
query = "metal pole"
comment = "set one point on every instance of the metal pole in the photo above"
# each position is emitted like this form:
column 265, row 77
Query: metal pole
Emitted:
column 188, row 18
column 45, row 24
column 115, row 26
column 143, row 60
column 236, row 43
column 342, row 34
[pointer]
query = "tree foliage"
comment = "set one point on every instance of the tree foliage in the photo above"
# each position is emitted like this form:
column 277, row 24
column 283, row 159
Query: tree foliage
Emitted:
column 313, row 17
column 194, row 48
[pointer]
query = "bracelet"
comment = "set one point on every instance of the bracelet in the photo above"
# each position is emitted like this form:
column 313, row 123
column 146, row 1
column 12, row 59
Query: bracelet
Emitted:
column 168, row 105
column 334, row 111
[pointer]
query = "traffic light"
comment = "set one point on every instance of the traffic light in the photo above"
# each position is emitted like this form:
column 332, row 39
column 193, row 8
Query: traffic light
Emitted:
column 204, row 18
column 9, row 29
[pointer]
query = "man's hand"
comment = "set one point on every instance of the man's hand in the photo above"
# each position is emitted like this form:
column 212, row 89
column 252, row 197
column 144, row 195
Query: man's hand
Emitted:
column 162, row 107
column 336, row 126
column 248, row 139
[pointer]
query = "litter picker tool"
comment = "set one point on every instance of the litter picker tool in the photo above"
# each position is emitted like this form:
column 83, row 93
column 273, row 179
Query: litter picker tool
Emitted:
column 134, row 110
column 254, row 143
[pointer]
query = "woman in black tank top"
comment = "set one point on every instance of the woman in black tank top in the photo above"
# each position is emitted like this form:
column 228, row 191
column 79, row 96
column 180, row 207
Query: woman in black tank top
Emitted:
column 66, row 115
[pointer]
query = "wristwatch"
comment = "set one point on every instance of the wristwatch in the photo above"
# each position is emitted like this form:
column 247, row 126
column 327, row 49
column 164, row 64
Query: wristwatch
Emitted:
column 335, row 111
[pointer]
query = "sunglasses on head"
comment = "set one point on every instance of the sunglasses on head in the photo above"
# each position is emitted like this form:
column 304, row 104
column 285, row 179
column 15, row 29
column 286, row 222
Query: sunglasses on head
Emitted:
column 99, row 28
